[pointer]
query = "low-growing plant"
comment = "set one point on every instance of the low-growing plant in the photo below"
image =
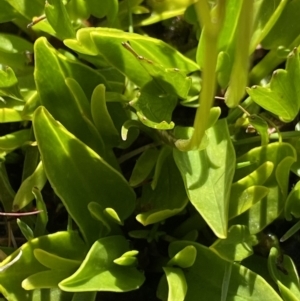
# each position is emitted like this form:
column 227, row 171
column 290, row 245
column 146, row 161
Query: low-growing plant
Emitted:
column 136, row 158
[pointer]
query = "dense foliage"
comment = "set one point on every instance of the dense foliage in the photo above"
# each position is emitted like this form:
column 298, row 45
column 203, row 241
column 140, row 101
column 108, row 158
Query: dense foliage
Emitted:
column 148, row 148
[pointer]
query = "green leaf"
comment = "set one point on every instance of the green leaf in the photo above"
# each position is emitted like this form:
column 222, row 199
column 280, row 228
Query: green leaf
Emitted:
column 292, row 204
column 153, row 109
column 176, row 283
column 15, row 140
column 282, row 95
column 105, row 8
column 36, row 9
column 7, row 194
column 7, row 13
column 25, row 229
column 261, row 214
column 63, row 244
column 207, row 174
column 9, row 84
column 11, row 111
column 98, row 272
column 42, row 217
column 24, row 194
column 58, row 18
column 202, row 282
column 53, row 261
column 107, row 43
column 82, row 170
column 58, row 99
column 162, row 10
column 286, row 29
column 284, row 273
column 171, row 80
column 168, row 197
column 143, row 166
column 265, row 16
column 184, row 258
column 236, row 247
column 248, row 190
column 101, row 117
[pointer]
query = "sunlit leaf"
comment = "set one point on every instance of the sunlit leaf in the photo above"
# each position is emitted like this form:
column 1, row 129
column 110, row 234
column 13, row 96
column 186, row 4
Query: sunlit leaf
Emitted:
column 82, row 170
column 207, row 174
column 98, row 272
column 282, row 95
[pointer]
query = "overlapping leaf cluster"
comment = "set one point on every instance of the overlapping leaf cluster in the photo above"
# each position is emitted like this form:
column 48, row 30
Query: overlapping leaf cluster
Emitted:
column 79, row 106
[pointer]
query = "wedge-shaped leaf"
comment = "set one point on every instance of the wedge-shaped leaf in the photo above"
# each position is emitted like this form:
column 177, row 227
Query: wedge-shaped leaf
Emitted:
column 107, row 43
column 236, row 247
column 201, row 281
column 58, row 99
column 58, row 18
column 91, row 178
column 63, row 244
column 292, row 205
column 261, row 214
column 167, row 199
column 9, row 84
column 282, row 95
column 248, row 190
column 284, row 273
column 98, row 272
column 15, row 140
column 208, row 174
column 24, row 195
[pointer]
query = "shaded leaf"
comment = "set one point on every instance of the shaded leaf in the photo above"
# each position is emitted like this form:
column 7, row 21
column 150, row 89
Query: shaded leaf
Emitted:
column 284, row 273
column 167, row 199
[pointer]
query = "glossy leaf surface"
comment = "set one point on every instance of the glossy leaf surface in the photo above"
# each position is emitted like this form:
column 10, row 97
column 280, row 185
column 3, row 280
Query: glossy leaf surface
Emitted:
column 63, row 244
column 98, row 272
column 210, row 289
column 282, row 155
column 84, row 170
column 236, row 247
column 207, row 174
column 282, row 95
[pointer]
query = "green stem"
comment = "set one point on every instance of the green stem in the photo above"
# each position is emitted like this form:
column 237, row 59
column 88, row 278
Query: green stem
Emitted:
column 210, row 32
